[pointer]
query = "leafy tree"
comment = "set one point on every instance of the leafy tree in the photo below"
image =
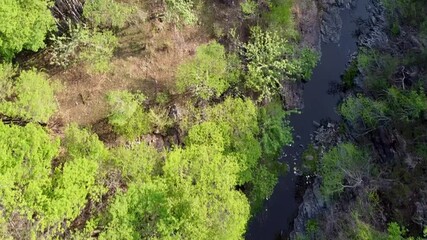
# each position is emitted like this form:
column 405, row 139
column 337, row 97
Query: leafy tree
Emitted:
column 81, row 143
column 24, row 25
column 126, row 114
column 195, row 199
column 343, row 162
column 271, row 59
column 25, row 167
column 406, row 105
column 364, row 110
column 263, row 183
column 33, row 99
column 206, row 180
column 45, row 196
column 249, row 7
column 136, row 163
column 106, row 13
column 237, row 120
column 206, row 74
column 275, row 130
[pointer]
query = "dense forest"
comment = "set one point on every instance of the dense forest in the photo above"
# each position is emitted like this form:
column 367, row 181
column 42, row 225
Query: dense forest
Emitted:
column 165, row 119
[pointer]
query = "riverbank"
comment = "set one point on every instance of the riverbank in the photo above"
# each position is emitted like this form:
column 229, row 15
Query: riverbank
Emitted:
column 384, row 203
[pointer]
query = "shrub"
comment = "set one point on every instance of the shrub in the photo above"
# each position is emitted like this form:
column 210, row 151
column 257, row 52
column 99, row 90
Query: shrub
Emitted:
column 126, row 114
column 280, row 18
column 365, row 111
column 33, row 99
column 98, row 50
column 206, row 74
column 249, row 7
column 275, row 131
column 181, row 11
column 7, row 71
column 106, row 13
column 81, row 44
column 406, row 105
column 343, row 162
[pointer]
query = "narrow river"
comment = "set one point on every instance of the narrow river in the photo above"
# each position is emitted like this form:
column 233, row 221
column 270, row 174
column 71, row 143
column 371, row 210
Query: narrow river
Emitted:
column 275, row 221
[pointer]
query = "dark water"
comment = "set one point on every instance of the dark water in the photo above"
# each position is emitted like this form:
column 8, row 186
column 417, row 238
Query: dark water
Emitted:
column 279, row 211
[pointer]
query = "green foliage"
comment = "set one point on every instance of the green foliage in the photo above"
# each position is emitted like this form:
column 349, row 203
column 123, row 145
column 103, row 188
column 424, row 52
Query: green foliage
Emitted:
column 364, row 110
column 126, row 114
column 343, row 162
column 312, row 226
column 249, row 7
column 350, row 74
column 406, row 105
column 237, row 119
column 7, row 71
column 98, row 50
column 92, row 47
column 275, row 131
column 25, row 168
column 195, row 199
column 47, row 197
column 24, row 25
column 107, row 13
column 136, row 163
column 206, row 74
column 162, row 98
column 182, row 11
column 263, row 183
column 271, row 59
column 83, row 144
column 159, row 119
column 280, row 18
column 395, row 232
column 33, row 95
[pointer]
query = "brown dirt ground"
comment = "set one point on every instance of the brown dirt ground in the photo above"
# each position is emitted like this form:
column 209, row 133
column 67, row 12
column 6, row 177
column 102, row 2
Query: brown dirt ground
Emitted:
column 145, row 60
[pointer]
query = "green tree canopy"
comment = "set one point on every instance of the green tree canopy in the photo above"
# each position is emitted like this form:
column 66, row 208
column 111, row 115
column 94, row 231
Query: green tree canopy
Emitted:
column 272, row 59
column 205, row 75
column 127, row 115
column 24, row 25
column 29, row 96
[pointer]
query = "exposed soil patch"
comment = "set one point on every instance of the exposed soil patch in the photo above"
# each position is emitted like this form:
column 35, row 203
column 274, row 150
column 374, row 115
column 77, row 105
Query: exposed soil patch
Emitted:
column 146, row 61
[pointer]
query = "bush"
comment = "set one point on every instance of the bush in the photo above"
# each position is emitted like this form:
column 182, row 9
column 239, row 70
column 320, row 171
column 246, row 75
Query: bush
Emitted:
column 126, row 114
column 343, row 162
column 181, row 11
column 275, row 131
column 249, row 7
column 206, row 74
column 33, row 99
column 106, row 13
column 81, row 44
column 7, row 71
column 271, row 59
column 24, row 25
column 98, row 50
column 406, row 105
column 280, row 18
column 362, row 110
